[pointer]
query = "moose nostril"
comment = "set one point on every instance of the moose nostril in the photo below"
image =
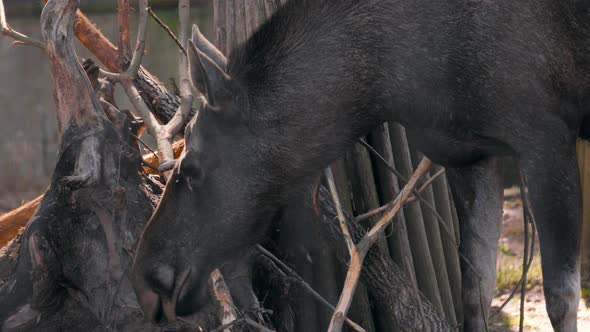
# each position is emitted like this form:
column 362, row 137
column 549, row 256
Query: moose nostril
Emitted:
column 161, row 278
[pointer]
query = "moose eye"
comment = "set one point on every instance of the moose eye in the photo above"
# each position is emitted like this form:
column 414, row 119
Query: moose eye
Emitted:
column 190, row 172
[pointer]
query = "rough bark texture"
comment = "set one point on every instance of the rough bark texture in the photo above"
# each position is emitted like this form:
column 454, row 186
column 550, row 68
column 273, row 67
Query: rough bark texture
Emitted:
column 12, row 222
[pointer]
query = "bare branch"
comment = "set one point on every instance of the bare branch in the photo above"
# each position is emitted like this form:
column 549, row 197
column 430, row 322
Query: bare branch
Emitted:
column 395, row 205
column 6, row 30
column 426, row 184
column 164, row 134
column 413, row 198
column 140, row 42
column 155, row 129
column 176, row 124
column 359, row 252
column 133, row 68
column 334, row 191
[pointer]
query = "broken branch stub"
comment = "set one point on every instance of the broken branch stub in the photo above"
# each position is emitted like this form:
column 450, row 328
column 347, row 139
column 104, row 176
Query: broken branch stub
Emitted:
column 226, row 308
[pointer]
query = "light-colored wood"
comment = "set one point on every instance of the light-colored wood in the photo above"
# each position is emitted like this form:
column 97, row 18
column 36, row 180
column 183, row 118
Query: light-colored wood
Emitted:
column 225, row 305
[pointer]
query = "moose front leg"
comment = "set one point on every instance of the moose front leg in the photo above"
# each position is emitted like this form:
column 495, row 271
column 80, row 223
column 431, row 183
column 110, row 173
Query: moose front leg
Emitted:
column 478, row 195
column 551, row 173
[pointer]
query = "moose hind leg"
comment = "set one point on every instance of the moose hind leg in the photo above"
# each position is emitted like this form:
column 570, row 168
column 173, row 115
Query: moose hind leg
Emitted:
column 554, row 191
column 478, row 196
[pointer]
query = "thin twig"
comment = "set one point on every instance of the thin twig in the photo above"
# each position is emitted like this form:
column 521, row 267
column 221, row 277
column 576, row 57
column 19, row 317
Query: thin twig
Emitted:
column 520, row 282
column 369, row 214
column 527, row 214
column 374, row 212
column 167, row 29
column 334, row 192
column 6, row 30
column 524, row 274
column 395, row 206
column 304, row 284
column 144, row 145
column 528, row 219
column 426, row 184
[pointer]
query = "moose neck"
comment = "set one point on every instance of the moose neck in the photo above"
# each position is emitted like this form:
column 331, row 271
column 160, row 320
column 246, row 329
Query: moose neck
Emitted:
column 310, row 84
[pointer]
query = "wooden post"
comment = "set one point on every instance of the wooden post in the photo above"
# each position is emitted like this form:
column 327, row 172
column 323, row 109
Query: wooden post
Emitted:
column 583, row 152
column 415, row 222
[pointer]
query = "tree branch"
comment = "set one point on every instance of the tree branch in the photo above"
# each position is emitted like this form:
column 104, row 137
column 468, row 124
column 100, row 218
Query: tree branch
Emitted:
column 359, row 252
column 131, row 72
column 164, row 134
column 123, row 20
column 6, row 30
column 332, row 186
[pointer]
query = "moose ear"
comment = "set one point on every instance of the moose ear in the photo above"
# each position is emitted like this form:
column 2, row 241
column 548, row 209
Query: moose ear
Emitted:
column 207, row 76
column 205, row 46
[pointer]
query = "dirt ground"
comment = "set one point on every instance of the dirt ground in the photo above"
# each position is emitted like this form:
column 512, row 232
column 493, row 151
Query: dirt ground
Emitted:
column 509, row 270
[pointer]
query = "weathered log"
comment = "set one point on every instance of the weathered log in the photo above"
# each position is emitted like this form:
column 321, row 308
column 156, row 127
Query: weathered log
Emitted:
column 13, row 221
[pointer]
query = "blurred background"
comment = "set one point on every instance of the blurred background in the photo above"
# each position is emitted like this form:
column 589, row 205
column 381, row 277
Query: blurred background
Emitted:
column 28, row 138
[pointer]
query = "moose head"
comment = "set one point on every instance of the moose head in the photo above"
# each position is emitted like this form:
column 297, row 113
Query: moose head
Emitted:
column 217, row 189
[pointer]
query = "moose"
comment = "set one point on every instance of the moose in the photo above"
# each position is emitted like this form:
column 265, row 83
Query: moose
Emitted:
column 471, row 81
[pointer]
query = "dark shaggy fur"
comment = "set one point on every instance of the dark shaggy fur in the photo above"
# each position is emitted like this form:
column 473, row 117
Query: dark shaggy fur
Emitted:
column 471, row 80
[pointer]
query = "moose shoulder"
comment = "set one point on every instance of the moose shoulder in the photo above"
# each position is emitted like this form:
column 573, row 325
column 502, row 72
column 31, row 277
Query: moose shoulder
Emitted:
column 470, row 80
